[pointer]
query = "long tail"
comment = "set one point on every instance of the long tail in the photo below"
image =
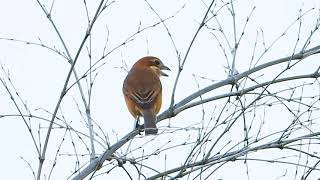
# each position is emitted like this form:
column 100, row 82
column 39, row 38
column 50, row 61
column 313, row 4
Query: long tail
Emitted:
column 150, row 118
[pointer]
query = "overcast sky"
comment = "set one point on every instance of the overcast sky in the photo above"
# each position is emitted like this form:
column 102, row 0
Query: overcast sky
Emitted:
column 38, row 74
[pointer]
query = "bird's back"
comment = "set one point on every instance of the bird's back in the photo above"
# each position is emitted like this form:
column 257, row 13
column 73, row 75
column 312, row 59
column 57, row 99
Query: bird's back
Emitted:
column 142, row 86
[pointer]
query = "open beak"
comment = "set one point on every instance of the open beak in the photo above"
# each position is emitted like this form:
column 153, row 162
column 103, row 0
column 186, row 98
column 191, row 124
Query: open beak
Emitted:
column 163, row 67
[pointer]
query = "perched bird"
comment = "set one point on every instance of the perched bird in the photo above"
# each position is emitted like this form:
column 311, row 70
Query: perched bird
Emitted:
column 142, row 91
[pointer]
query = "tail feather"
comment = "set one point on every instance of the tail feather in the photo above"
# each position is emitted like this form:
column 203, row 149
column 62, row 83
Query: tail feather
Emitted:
column 150, row 126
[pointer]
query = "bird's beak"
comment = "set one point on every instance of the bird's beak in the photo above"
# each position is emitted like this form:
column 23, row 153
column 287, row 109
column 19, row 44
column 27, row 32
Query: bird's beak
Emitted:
column 163, row 67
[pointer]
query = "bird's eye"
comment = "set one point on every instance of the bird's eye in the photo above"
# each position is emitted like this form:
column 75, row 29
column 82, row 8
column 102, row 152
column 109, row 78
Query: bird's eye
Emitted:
column 156, row 62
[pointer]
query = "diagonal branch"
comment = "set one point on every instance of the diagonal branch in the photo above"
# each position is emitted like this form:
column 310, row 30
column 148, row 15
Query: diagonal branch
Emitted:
column 97, row 163
column 231, row 156
column 181, row 65
column 232, row 80
column 63, row 92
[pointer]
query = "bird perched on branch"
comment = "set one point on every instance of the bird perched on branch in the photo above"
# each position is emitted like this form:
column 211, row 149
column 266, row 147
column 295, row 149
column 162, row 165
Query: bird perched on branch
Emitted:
column 142, row 91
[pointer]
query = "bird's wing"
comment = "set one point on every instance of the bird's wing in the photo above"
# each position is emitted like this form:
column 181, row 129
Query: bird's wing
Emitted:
column 144, row 96
column 143, row 90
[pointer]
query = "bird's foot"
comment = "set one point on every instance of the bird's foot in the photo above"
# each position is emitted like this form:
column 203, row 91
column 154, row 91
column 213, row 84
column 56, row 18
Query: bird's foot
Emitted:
column 138, row 126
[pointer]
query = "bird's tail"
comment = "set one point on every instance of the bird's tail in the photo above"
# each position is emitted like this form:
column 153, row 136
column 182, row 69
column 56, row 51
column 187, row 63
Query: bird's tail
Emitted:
column 150, row 118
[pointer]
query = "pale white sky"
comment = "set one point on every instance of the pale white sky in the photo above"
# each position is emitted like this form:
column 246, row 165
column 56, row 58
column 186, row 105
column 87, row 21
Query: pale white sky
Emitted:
column 39, row 74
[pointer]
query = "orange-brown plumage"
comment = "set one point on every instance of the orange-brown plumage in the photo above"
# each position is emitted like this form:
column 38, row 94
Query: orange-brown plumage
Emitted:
column 142, row 91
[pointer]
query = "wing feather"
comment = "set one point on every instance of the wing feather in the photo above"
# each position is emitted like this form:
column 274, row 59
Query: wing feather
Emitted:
column 143, row 89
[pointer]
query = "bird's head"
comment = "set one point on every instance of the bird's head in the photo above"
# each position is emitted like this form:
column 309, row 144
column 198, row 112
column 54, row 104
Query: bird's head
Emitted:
column 154, row 63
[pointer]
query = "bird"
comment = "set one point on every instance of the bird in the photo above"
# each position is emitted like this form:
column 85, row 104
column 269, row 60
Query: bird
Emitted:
column 142, row 91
